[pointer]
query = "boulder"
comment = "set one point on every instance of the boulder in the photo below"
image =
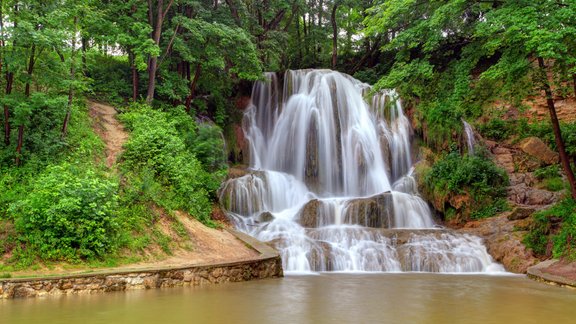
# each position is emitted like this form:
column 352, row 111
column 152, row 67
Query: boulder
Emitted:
column 538, row 149
column 540, row 197
column 376, row 211
column 506, row 161
column 524, row 195
column 308, row 215
column 265, row 217
column 520, row 213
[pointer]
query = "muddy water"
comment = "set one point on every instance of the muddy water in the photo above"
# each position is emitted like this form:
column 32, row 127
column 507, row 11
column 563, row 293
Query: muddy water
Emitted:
column 324, row 298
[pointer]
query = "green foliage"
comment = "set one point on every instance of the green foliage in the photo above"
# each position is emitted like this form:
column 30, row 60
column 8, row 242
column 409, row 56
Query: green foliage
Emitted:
column 495, row 207
column 207, row 147
column 161, row 164
column 550, row 178
column 553, row 232
column 495, row 129
column 109, row 77
column 474, row 176
column 68, row 214
column 554, row 184
column 460, row 174
column 456, row 58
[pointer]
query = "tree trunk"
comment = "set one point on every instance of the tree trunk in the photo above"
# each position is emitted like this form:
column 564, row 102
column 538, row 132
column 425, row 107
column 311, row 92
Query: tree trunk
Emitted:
column 156, row 34
column 305, row 31
column 556, row 128
column 193, row 87
column 9, row 78
column 84, row 49
column 132, row 61
column 6, row 125
column 9, row 83
column 299, row 38
column 334, row 35
column 320, row 12
column 30, row 70
column 234, row 12
column 574, row 83
column 19, row 143
column 72, row 78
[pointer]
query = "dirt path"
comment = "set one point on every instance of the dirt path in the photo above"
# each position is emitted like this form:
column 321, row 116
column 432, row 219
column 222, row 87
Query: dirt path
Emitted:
column 208, row 246
column 109, row 129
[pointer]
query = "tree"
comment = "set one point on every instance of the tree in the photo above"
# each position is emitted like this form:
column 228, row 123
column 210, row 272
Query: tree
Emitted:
column 448, row 51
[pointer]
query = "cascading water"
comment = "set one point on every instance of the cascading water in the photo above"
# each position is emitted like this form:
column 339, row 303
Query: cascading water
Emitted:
column 331, row 183
column 470, row 141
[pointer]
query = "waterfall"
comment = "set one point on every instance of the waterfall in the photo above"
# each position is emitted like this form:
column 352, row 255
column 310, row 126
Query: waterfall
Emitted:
column 330, row 183
column 470, row 141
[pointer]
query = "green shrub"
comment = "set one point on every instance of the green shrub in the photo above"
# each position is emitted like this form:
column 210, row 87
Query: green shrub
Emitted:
column 68, row 214
column 550, row 178
column 548, row 172
column 110, row 76
column 474, row 176
column 162, row 152
column 555, row 227
column 496, row 129
column 554, row 184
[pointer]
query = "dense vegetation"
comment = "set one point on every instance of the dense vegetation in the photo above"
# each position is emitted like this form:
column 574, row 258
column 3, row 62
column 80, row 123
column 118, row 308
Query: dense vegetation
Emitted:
column 474, row 185
column 175, row 67
column 554, row 231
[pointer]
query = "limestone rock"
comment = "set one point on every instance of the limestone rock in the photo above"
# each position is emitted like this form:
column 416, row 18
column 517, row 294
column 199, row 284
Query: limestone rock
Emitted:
column 503, row 241
column 376, row 211
column 538, row 149
column 266, row 217
column 308, row 215
column 520, row 213
column 522, row 194
column 506, row 161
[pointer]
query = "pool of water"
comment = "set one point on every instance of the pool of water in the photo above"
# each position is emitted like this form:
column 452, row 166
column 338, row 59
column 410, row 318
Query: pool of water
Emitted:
column 322, row 298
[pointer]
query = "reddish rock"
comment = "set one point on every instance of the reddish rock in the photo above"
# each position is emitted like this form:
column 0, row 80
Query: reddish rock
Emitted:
column 503, row 240
column 538, row 149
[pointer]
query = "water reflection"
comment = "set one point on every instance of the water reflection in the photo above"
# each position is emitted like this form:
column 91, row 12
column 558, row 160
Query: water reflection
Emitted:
column 323, row 298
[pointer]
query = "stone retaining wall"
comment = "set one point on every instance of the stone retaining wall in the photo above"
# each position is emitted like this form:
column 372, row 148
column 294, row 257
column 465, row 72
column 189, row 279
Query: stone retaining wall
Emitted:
column 267, row 265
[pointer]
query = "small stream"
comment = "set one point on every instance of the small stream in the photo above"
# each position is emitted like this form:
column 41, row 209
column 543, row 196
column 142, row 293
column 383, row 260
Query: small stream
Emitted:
column 320, row 298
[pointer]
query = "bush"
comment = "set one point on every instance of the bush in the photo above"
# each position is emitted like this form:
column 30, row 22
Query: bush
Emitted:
column 549, row 172
column 68, row 215
column 110, row 76
column 474, row 176
column 553, row 231
column 496, row 129
column 165, row 167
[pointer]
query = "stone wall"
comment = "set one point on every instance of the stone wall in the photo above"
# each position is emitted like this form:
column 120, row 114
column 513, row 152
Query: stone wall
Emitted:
column 267, row 265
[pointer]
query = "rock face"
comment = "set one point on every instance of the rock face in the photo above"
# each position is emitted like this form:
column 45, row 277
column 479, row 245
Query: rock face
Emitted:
column 503, row 239
column 309, row 214
column 538, row 149
column 526, row 195
column 376, row 211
